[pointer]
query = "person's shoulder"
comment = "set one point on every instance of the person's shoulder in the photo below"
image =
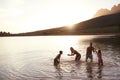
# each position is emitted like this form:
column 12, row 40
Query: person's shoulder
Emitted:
column 76, row 51
column 88, row 47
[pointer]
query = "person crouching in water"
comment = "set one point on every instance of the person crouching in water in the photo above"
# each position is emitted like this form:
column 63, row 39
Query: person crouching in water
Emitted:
column 57, row 58
column 74, row 52
column 100, row 60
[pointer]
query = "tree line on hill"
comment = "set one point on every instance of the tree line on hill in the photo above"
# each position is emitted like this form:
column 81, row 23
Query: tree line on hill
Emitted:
column 5, row 33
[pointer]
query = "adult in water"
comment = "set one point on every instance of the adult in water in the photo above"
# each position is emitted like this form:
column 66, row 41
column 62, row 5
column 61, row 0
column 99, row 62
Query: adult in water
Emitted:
column 74, row 52
column 89, row 51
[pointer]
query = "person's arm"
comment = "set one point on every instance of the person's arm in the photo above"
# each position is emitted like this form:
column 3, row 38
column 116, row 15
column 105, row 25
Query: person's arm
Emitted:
column 86, row 51
column 72, row 54
column 93, row 49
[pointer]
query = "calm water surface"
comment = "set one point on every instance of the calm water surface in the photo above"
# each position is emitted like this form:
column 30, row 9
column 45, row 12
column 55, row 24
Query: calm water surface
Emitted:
column 31, row 58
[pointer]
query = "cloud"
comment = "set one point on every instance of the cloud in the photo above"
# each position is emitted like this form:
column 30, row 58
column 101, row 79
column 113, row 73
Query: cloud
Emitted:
column 101, row 12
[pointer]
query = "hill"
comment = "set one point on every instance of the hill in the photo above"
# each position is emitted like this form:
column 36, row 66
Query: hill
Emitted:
column 108, row 24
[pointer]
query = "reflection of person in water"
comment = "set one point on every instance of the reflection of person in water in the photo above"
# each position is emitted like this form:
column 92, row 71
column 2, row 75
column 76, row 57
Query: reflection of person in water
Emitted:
column 91, row 73
column 99, row 72
column 57, row 58
column 89, row 51
column 59, row 72
column 74, row 52
column 89, row 70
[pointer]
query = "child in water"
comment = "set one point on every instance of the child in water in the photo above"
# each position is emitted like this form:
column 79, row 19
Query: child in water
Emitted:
column 57, row 58
column 100, row 61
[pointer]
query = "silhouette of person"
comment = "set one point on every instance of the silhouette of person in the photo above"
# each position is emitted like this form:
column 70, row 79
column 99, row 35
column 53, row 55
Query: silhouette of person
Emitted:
column 89, row 51
column 57, row 58
column 74, row 52
column 59, row 72
column 100, row 60
column 89, row 70
column 99, row 71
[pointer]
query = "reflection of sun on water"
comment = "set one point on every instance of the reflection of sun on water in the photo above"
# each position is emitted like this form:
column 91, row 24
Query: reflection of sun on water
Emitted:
column 77, row 42
column 67, row 41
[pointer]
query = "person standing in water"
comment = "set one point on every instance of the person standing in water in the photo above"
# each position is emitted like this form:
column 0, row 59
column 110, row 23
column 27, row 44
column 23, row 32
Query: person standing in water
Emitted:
column 57, row 58
column 89, row 51
column 100, row 60
column 74, row 52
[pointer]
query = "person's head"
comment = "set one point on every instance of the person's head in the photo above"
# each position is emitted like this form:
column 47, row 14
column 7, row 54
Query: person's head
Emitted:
column 61, row 52
column 71, row 48
column 91, row 44
column 99, row 51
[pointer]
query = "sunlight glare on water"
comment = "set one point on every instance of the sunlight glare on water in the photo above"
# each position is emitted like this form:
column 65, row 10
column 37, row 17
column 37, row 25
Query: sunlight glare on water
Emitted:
column 31, row 58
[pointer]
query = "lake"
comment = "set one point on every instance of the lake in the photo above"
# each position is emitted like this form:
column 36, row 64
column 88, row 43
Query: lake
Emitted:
column 31, row 58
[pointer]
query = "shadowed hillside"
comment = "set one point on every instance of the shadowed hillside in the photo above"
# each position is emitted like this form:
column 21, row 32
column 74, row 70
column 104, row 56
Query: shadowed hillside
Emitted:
column 103, row 24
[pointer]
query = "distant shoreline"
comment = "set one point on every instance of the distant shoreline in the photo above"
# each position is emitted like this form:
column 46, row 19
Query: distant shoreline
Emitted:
column 106, row 34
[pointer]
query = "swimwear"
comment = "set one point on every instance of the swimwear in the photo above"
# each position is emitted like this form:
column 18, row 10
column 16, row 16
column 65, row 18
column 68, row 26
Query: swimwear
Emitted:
column 89, row 56
column 56, row 62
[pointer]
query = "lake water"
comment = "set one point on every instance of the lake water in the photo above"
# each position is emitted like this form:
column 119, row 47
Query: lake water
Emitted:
column 31, row 58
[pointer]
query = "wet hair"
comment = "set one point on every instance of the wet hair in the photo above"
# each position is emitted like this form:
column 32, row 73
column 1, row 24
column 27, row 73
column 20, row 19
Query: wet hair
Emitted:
column 60, row 52
column 90, row 43
column 72, row 50
column 99, row 51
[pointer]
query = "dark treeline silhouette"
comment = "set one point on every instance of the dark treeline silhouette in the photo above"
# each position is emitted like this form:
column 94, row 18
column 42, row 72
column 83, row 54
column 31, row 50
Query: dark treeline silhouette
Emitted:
column 114, row 9
column 5, row 33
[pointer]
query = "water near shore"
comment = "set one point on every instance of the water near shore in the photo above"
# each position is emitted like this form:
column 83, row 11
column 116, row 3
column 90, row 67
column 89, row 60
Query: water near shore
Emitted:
column 31, row 58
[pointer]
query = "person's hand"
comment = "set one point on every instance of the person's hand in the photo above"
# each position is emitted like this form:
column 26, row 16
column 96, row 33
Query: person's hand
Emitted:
column 69, row 54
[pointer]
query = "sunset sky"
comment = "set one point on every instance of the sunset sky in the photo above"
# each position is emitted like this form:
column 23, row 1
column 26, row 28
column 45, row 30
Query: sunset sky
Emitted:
column 31, row 15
